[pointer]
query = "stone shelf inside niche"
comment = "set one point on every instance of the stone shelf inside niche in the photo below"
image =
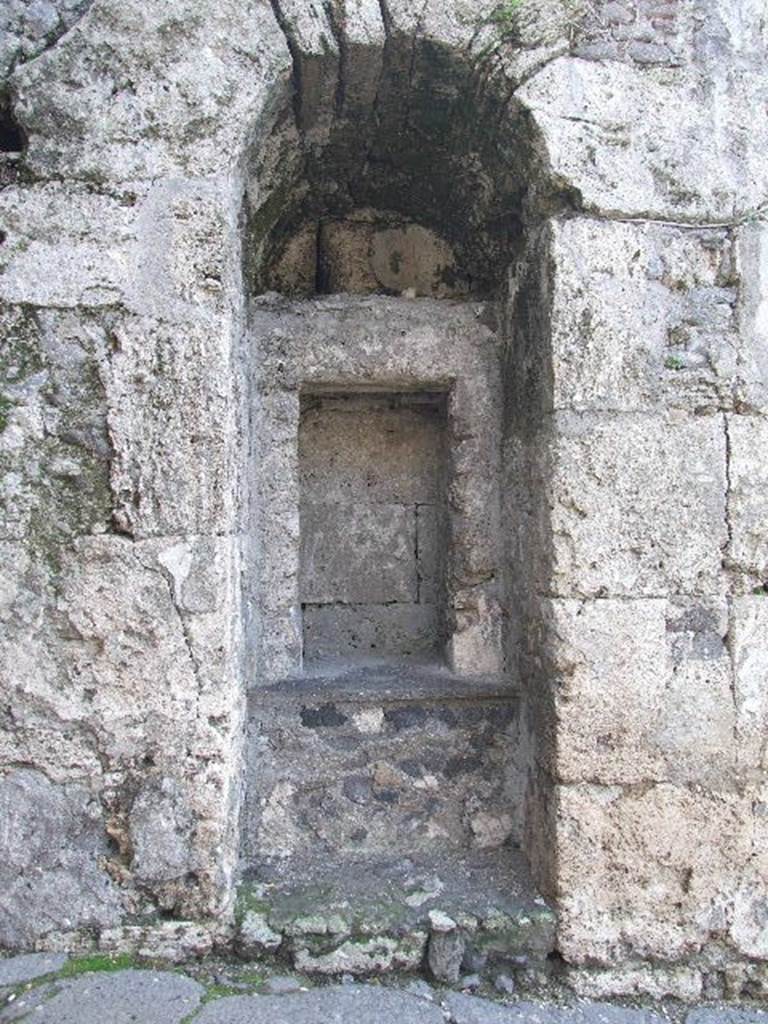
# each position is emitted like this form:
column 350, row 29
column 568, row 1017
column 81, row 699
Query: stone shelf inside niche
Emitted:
column 385, row 682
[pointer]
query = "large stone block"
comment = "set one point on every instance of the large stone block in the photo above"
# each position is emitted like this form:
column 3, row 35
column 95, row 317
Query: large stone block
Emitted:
column 371, row 449
column 613, row 132
column 748, row 479
column 607, row 661
column 125, row 95
column 54, row 446
column 642, row 315
column 168, row 250
column 358, row 554
column 369, row 631
column 131, row 676
column 67, row 245
column 642, row 690
column 52, row 848
column 638, row 505
column 647, row 871
column 172, row 424
column 749, row 644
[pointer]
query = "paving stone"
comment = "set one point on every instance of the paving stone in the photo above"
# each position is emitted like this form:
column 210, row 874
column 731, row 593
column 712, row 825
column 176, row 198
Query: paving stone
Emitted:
column 16, row 969
column 726, row 1015
column 125, row 997
column 335, row 1005
column 466, row 1009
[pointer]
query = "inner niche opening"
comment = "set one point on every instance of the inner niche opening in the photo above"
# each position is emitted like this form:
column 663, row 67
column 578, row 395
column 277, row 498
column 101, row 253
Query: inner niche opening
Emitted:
column 373, row 526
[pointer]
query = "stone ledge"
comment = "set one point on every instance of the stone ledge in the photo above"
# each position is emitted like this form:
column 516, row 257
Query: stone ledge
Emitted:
column 382, row 684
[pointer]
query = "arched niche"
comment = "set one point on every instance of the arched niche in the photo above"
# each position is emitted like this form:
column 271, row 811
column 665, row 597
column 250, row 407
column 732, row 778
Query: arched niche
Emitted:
column 396, row 270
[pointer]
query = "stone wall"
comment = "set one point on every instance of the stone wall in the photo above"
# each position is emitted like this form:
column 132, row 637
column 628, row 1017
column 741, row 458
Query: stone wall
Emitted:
column 635, row 430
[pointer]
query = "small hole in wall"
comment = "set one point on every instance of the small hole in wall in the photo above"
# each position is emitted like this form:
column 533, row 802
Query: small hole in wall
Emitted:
column 12, row 137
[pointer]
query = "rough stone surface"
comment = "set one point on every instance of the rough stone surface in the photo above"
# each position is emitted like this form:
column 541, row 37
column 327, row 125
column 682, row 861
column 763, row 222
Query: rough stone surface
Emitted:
column 613, row 131
column 255, row 935
column 652, row 681
column 700, row 880
column 27, row 28
column 367, row 772
column 445, row 952
column 50, row 860
column 475, row 909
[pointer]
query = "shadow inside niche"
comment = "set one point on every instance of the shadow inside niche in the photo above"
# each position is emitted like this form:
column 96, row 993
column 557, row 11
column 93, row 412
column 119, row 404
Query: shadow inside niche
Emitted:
column 12, row 138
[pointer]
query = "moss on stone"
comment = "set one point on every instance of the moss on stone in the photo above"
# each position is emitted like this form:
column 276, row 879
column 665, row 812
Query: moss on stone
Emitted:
column 5, row 408
column 98, row 963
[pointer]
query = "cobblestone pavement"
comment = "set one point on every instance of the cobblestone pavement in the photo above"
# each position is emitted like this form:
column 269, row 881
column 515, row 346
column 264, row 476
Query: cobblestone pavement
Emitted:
column 54, row 989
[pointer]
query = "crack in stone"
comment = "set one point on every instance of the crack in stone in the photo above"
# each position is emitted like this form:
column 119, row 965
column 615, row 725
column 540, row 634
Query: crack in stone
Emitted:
column 337, row 16
column 730, row 637
column 295, row 52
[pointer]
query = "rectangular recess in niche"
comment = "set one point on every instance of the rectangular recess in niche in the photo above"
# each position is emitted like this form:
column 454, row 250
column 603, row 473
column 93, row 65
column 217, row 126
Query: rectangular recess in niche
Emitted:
column 373, row 525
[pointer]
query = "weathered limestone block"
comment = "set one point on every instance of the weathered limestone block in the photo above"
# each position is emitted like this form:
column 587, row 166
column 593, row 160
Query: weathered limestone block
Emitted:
column 752, row 248
column 368, row 631
column 642, row 690
column 342, row 543
column 642, row 315
column 654, row 980
column 695, row 730
column 367, row 452
column 638, row 506
column 172, row 428
column 139, row 698
column 640, row 144
column 161, row 828
column 37, row 727
column 635, row 881
column 168, row 250
column 52, row 845
column 749, row 629
column 54, row 449
column 26, row 29
column 67, row 245
column 125, row 95
column 748, row 479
